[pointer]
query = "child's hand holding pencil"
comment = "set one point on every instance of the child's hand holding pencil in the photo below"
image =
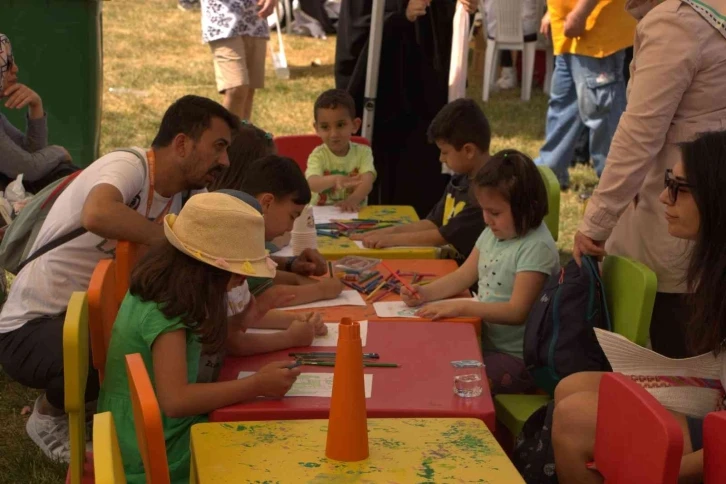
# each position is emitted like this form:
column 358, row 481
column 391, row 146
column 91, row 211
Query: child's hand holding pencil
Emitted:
column 413, row 299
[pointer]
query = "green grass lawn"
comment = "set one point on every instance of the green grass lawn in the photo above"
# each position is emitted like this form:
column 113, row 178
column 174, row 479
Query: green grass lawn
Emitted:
column 153, row 51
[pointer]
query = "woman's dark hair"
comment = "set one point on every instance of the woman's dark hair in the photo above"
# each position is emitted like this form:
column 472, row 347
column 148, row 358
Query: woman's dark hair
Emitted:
column 250, row 144
column 704, row 165
column 186, row 288
column 515, row 176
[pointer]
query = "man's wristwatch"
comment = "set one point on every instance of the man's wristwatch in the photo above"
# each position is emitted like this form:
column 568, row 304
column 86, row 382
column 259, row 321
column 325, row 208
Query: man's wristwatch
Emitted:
column 288, row 264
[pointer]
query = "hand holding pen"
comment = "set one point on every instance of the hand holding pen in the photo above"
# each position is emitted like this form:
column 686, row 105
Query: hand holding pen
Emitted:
column 414, row 298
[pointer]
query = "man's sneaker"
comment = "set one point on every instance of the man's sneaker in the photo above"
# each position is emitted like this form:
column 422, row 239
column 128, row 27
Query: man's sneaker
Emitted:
column 50, row 434
column 508, row 79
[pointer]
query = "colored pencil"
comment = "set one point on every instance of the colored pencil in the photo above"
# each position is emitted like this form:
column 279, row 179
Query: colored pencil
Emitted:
column 394, row 274
column 381, row 294
column 328, row 354
column 376, row 289
column 365, row 363
column 330, row 269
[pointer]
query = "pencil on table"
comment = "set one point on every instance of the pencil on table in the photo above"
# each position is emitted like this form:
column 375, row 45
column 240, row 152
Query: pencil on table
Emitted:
column 383, row 283
column 400, row 279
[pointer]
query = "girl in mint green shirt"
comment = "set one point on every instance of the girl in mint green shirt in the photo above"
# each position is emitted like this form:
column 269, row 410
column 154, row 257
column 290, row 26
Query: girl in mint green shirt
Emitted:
column 511, row 262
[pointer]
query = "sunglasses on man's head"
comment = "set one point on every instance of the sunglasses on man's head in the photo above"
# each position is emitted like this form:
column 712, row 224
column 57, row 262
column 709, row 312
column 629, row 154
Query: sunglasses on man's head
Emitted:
column 674, row 185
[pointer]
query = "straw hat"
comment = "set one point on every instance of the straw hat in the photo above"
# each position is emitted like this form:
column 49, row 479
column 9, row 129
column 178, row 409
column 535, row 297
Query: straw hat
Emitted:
column 222, row 231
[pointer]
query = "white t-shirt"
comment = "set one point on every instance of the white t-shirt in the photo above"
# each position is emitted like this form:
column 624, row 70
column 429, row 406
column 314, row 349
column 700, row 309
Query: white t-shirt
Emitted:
column 44, row 286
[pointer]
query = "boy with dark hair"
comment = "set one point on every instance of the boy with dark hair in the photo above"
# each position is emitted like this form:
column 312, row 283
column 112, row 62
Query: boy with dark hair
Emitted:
column 461, row 131
column 339, row 172
column 280, row 187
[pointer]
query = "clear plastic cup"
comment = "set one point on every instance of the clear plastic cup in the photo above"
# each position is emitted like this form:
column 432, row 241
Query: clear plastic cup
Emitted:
column 468, row 375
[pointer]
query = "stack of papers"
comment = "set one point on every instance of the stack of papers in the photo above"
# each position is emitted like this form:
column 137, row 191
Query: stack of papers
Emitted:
column 330, row 339
column 346, row 298
column 315, row 384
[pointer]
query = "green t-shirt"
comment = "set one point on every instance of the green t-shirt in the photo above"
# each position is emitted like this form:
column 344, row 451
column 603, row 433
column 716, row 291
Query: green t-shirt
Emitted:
column 499, row 263
column 137, row 326
column 323, row 162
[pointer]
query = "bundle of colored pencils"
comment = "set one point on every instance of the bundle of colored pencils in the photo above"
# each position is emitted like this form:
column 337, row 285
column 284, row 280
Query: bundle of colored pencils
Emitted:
column 346, row 228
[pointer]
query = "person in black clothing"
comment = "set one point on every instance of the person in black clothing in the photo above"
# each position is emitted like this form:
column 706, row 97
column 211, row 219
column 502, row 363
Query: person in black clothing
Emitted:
column 412, row 88
column 461, row 131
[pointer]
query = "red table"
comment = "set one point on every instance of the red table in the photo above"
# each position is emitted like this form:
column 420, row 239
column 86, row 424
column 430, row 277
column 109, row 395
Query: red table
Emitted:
column 421, row 387
column 440, row 267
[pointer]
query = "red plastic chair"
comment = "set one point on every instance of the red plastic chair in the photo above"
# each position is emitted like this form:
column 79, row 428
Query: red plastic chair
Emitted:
column 127, row 255
column 147, row 421
column 637, row 439
column 299, row 146
column 102, row 310
column 714, row 448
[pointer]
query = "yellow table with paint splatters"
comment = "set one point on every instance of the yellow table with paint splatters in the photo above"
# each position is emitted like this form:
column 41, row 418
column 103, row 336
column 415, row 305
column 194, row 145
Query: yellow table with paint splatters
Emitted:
column 401, row 451
column 334, row 249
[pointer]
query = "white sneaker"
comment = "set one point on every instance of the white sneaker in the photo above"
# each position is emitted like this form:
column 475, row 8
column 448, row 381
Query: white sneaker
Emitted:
column 50, row 434
column 508, row 79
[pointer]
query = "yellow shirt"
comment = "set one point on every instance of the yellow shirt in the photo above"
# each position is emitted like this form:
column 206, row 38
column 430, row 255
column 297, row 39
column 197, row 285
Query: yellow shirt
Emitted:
column 608, row 29
column 323, row 162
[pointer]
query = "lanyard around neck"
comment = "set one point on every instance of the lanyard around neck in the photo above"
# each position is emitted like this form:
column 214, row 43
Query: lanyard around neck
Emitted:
column 150, row 197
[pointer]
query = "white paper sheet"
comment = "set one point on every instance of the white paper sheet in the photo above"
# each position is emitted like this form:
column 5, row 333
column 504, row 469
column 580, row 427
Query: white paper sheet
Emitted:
column 315, row 384
column 324, row 214
column 398, row 309
column 346, row 298
column 330, row 339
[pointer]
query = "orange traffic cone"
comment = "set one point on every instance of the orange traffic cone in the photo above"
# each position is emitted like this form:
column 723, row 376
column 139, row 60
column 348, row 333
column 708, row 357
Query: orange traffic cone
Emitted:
column 347, row 424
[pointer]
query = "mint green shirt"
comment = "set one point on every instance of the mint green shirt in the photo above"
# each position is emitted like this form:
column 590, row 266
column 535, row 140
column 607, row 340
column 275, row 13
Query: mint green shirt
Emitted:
column 499, row 263
column 323, row 162
column 137, row 326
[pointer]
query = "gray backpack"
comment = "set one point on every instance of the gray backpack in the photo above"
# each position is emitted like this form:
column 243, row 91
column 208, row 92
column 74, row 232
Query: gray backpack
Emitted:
column 23, row 230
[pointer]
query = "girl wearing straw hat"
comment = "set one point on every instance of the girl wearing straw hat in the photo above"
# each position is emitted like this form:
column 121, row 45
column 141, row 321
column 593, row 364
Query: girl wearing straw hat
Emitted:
column 176, row 309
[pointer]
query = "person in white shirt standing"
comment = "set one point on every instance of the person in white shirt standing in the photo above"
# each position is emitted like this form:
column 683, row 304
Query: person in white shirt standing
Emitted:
column 123, row 195
column 237, row 33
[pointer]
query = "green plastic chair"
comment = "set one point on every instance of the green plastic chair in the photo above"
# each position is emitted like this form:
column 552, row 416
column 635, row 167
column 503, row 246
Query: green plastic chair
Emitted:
column 552, row 219
column 630, row 289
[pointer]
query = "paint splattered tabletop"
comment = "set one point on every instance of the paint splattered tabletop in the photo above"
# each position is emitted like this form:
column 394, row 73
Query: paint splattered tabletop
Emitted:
column 401, row 451
column 336, row 248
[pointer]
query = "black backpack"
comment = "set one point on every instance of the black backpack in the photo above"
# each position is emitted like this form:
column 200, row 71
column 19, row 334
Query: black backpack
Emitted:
column 533, row 455
column 558, row 338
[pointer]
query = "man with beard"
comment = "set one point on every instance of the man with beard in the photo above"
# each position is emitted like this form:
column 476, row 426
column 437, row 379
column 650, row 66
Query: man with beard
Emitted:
column 123, row 195
column 412, row 88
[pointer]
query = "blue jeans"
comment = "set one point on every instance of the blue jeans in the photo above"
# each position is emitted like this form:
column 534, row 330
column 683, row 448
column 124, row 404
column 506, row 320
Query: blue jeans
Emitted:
column 586, row 91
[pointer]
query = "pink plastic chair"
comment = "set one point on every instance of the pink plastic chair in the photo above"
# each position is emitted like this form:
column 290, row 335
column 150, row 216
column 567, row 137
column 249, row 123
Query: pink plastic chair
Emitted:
column 637, row 439
column 299, row 146
column 714, row 448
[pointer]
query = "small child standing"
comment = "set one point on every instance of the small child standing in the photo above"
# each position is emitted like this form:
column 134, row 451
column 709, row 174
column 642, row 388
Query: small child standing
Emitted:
column 512, row 260
column 339, row 172
column 176, row 311
column 237, row 34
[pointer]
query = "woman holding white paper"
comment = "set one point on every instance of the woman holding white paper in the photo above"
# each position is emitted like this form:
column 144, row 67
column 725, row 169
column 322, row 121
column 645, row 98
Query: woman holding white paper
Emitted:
column 695, row 210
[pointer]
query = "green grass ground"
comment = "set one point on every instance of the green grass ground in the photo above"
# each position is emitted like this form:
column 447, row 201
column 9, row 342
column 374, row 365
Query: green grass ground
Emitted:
column 153, row 52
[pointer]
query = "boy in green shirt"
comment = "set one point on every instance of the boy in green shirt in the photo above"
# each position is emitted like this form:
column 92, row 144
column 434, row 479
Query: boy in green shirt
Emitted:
column 339, row 172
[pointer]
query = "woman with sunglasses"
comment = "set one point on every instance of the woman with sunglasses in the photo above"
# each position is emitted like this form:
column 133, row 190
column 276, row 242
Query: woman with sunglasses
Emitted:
column 695, row 211
column 27, row 153
column 675, row 92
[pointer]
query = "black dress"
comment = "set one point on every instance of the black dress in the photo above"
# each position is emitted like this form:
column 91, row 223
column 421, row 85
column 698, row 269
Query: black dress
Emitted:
column 412, row 88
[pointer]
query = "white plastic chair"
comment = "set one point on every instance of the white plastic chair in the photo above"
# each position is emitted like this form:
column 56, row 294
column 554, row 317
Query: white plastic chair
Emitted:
column 509, row 36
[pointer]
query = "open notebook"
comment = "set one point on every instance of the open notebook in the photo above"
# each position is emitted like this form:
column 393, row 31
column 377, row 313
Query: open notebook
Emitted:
column 691, row 386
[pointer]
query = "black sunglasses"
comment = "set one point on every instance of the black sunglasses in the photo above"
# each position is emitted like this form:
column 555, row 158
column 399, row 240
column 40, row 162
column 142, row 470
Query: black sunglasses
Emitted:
column 674, row 185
